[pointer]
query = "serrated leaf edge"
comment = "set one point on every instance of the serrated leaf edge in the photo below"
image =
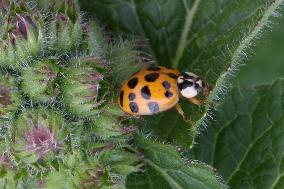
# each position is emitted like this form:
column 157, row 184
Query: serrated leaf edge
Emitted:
column 237, row 58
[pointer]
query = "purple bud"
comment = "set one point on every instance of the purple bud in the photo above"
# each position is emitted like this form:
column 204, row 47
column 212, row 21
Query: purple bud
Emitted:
column 41, row 140
column 40, row 133
column 23, row 25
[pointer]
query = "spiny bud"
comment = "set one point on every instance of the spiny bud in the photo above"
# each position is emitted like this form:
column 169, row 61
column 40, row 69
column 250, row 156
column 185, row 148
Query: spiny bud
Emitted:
column 82, row 86
column 6, row 162
column 61, row 19
column 39, row 133
column 67, row 34
column 82, row 172
column 9, row 97
column 39, row 80
column 8, row 168
column 40, row 140
column 68, row 7
column 24, row 25
column 26, row 35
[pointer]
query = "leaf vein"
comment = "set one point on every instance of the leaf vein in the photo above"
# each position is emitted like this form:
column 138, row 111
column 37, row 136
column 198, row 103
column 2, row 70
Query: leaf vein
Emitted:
column 250, row 147
column 184, row 35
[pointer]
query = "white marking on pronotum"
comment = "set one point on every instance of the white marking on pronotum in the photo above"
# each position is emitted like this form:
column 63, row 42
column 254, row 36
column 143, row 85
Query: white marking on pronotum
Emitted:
column 190, row 85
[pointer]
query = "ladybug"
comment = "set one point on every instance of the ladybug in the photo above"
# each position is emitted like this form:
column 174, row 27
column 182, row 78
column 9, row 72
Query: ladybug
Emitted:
column 156, row 89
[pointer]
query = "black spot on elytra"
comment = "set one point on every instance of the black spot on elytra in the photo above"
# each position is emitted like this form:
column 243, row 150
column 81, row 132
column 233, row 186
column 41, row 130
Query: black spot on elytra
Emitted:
column 133, row 107
column 166, row 85
column 154, row 68
column 151, row 77
column 121, row 98
column 153, row 107
column 168, row 94
column 172, row 75
column 145, row 92
column 131, row 96
column 185, row 84
column 132, row 83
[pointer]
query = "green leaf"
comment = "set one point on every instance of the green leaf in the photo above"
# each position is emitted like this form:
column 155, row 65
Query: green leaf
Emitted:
column 172, row 127
column 210, row 38
column 187, row 33
column 166, row 169
column 268, row 59
column 245, row 143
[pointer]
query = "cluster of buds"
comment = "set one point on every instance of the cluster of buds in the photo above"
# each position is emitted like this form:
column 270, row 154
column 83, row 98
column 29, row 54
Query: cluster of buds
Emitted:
column 56, row 100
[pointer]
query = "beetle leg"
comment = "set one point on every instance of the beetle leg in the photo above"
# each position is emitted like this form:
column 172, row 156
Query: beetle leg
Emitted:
column 197, row 101
column 185, row 118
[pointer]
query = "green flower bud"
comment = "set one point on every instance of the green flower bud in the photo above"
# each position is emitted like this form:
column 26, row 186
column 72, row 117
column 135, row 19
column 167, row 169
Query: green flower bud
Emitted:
column 7, row 171
column 26, row 36
column 67, row 35
column 6, row 163
column 39, row 133
column 83, row 87
column 9, row 97
column 8, row 56
column 39, row 80
column 8, row 166
column 106, row 127
column 68, row 7
column 124, row 60
column 77, row 171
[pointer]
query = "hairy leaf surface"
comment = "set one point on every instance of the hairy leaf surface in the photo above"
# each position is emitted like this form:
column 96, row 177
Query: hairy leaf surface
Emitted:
column 166, row 169
column 245, row 144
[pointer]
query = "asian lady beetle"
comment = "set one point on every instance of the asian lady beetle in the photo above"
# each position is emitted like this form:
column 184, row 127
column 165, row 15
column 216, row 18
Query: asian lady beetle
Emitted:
column 157, row 89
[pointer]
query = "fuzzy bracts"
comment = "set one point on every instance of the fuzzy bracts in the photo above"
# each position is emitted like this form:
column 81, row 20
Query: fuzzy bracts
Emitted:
column 57, row 86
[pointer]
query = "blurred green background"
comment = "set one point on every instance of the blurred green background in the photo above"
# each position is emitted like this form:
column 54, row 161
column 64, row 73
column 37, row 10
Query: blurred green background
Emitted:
column 267, row 61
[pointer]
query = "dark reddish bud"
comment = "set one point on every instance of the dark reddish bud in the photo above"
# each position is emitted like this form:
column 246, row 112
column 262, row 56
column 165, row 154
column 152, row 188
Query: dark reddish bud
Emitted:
column 24, row 26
